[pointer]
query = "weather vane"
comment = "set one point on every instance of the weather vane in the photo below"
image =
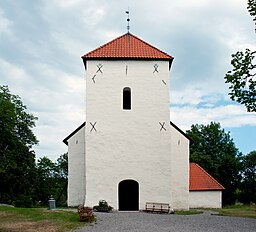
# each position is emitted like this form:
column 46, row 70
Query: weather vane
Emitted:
column 128, row 19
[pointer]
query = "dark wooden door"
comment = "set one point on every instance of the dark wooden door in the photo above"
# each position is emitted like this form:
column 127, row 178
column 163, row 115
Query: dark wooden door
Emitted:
column 128, row 195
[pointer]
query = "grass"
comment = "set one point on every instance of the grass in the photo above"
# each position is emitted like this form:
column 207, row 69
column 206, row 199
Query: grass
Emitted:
column 41, row 219
column 246, row 211
column 37, row 219
column 190, row 212
column 238, row 211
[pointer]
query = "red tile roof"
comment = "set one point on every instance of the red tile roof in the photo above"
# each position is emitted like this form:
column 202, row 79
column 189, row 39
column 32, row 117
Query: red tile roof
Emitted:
column 199, row 179
column 127, row 46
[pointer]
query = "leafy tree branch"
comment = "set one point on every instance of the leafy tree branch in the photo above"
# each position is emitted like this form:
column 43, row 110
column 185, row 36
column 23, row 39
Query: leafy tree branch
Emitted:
column 242, row 79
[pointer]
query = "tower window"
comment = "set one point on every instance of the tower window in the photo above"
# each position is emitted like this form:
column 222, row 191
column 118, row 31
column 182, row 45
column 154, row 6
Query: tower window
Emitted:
column 126, row 98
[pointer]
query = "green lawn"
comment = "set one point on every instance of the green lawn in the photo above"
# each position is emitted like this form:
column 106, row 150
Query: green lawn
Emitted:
column 234, row 210
column 238, row 211
column 190, row 212
column 30, row 219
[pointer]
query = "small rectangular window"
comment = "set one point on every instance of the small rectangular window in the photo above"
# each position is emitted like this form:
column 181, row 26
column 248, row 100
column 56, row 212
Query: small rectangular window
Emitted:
column 126, row 98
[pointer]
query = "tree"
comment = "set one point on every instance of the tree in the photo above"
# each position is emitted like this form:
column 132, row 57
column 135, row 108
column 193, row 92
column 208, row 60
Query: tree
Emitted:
column 52, row 179
column 46, row 172
column 17, row 160
column 215, row 151
column 62, row 167
column 248, row 184
column 242, row 78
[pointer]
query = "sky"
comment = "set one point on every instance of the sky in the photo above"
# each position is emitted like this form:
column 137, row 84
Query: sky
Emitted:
column 42, row 41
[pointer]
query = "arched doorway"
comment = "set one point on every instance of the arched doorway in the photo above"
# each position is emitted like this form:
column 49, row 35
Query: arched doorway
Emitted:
column 128, row 195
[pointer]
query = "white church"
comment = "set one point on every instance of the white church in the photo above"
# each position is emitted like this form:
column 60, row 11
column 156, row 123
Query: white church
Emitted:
column 128, row 152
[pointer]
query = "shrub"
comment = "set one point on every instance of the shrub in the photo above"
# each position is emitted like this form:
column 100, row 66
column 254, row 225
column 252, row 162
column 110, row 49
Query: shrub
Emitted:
column 23, row 201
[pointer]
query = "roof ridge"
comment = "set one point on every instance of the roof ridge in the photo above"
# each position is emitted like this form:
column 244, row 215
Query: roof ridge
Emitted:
column 221, row 186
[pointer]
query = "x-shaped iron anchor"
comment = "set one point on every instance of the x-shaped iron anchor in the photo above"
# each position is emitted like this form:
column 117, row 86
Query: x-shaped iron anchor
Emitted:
column 162, row 126
column 155, row 68
column 93, row 126
column 99, row 66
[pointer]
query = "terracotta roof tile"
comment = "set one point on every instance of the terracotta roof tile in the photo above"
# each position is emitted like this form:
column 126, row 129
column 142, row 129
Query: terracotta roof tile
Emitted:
column 199, row 179
column 127, row 46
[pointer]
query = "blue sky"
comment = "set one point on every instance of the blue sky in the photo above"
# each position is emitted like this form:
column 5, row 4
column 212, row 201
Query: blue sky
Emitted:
column 41, row 44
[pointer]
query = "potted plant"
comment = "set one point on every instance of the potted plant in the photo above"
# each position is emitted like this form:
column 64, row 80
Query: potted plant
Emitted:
column 102, row 207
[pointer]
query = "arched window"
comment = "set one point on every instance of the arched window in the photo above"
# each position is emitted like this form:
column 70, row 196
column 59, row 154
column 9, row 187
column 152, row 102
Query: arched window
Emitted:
column 126, row 98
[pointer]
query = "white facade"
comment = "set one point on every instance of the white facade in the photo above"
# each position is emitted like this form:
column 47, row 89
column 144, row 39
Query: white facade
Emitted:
column 138, row 144
column 131, row 144
column 179, row 168
column 76, row 167
column 205, row 199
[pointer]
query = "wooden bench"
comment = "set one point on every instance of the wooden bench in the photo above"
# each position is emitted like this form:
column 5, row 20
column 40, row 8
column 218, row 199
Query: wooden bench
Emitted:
column 154, row 207
column 85, row 214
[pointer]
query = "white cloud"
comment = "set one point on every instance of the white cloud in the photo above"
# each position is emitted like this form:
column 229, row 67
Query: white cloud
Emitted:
column 11, row 73
column 5, row 24
column 236, row 39
column 42, row 63
column 68, row 43
column 193, row 95
column 188, row 96
column 66, row 3
column 226, row 115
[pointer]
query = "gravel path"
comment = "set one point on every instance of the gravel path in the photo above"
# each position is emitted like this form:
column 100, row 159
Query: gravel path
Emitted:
column 146, row 222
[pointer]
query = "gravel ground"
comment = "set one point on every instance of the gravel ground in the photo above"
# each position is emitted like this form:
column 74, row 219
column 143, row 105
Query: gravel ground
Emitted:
column 146, row 222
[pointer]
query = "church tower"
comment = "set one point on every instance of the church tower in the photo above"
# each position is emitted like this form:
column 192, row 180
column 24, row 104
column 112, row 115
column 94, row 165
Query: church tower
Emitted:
column 128, row 152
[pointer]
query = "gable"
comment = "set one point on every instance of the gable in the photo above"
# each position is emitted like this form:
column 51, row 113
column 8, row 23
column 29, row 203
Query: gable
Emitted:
column 73, row 133
column 181, row 131
column 200, row 180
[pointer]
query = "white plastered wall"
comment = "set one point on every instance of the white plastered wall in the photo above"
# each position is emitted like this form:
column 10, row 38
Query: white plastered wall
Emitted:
column 180, row 170
column 205, row 199
column 76, row 168
column 128, row 144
